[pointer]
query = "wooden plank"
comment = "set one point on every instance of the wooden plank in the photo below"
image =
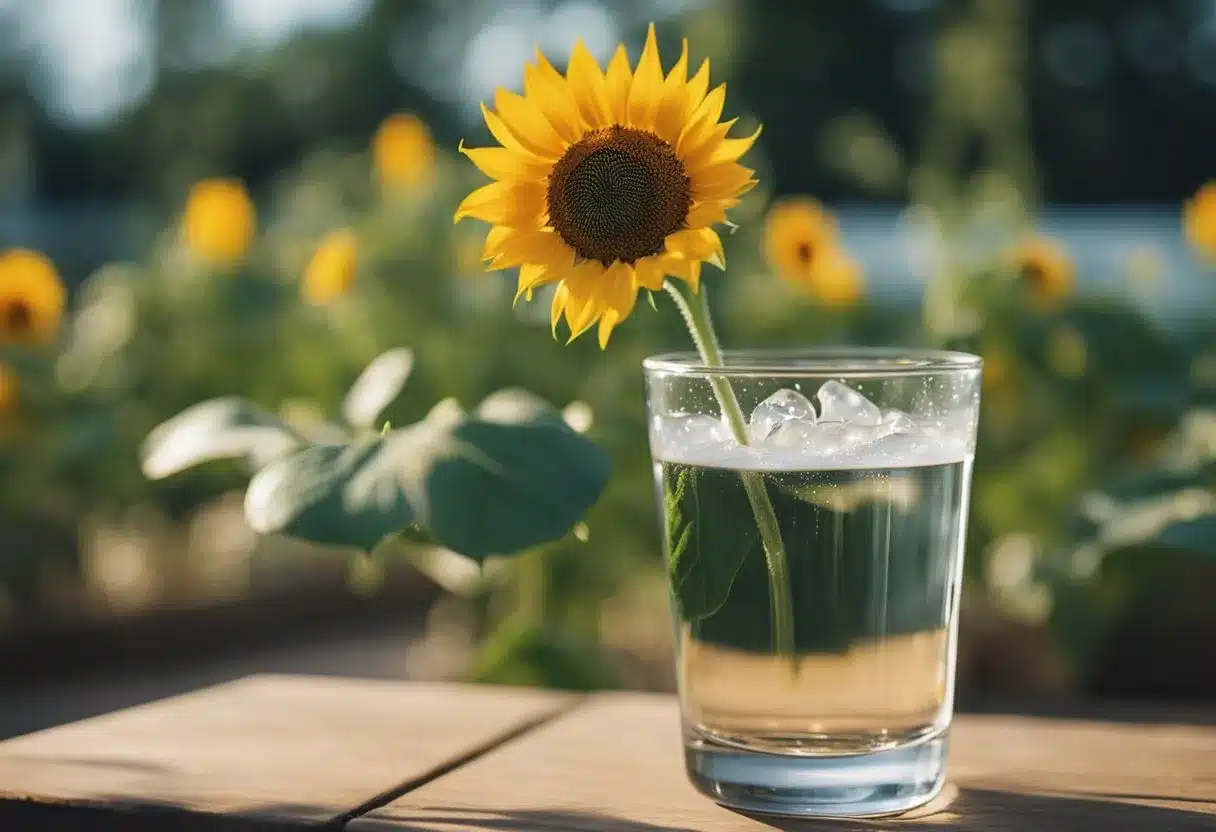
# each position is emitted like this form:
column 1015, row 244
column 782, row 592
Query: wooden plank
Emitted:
column 614, row 764
column 266, row 752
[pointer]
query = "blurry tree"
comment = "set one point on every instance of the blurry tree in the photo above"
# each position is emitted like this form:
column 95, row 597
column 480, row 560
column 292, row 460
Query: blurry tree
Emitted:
column 1121, row 94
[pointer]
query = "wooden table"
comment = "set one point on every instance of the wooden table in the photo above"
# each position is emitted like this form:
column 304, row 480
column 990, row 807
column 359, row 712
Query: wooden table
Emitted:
column 291, row 753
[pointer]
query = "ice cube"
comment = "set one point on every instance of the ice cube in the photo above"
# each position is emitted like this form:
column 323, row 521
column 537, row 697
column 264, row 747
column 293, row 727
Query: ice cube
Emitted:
column 778, row 408
column 794, row 433
column 897, row 422
column 841, row 403
column 692, row 429
column 824, row 438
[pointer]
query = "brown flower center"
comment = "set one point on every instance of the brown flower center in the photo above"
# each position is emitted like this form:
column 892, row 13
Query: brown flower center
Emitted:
column 617, row 193
column 17, row 317
column 804, row 252
column 1035, row 274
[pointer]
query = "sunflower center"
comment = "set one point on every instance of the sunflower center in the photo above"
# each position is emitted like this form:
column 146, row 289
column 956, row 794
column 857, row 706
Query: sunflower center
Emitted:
column 617, row 193
column 804, row 252
column 1035, row 275
column 17, row 317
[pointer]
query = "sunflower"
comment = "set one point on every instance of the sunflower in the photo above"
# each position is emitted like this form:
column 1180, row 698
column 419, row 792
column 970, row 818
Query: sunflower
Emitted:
column 1045, row 268
column 1199, row 218
column 31, row 298
column 332, row 270
column 219, row 221
column 9, row 391
column 836, row 278
column 403, row 152
column 798, row 232
column 607, row 181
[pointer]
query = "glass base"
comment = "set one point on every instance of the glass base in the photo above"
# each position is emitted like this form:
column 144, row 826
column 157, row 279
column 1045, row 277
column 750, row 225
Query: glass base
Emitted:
column 862, row 785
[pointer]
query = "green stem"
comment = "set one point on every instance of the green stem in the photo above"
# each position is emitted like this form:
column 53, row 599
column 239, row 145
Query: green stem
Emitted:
column 701, row 328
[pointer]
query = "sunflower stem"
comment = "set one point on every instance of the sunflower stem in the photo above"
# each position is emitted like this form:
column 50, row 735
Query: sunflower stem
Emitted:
column 700, row 325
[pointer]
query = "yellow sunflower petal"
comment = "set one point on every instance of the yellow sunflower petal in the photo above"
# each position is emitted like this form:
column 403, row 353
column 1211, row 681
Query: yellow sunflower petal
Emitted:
column 619, row 292
column 584, row 299
column 704, row 151
column 504, row 136
column 531, row 277
column 703, row 214
column 697, row 244
column 589, row 87
column 669, row 116
column 647, row 86
column 517, row 204
column 677, row 265
column 701, row 123
column 724, row 181
column 495, row 239
column 503, row 163
column 731, row 150
column 648, row 273
column 542, row 246
column 528, row 123
column 558, row 307
column 617, row 81
column 694, row 94
column 548, row 89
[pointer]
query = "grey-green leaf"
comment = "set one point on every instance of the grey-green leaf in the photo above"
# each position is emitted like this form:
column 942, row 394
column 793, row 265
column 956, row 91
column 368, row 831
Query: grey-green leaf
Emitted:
column 479, row 487
column 710, row 532
column 503, row 488
column 225, row 428
column 376, row 387
column 514, row 406
column 337, row 495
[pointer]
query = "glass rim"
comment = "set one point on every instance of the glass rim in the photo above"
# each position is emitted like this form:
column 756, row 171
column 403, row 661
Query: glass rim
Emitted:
column 817, row 362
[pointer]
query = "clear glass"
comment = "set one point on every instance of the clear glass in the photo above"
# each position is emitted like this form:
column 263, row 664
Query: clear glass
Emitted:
column 845, row 506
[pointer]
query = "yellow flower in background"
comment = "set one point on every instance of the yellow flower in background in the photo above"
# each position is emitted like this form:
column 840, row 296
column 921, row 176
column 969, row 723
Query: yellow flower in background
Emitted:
column 607, row 182
column 220, row 220
column 9, row 390
column 798, row 232
column 1045, row 268
column 801, row 244
column 333, row 268
column 836, row 278
column 1199, row 220
column 403, row 152
column 32, row 298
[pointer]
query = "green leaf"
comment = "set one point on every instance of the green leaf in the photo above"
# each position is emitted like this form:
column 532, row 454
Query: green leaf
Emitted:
column 376, row 387
column 478, row 487
column 503, row 488
column 415, row 534
column 679, row 527
column 1196, row 536
column 226, row 428
column 336, row 495
column 710, row 532
column 514, row 406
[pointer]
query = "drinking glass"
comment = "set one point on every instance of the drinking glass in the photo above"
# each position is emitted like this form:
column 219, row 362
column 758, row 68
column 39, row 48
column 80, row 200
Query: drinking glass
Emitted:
column 814, row 508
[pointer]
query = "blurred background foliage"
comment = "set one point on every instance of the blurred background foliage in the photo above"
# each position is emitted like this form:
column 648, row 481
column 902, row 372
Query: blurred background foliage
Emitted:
column 255, row 199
